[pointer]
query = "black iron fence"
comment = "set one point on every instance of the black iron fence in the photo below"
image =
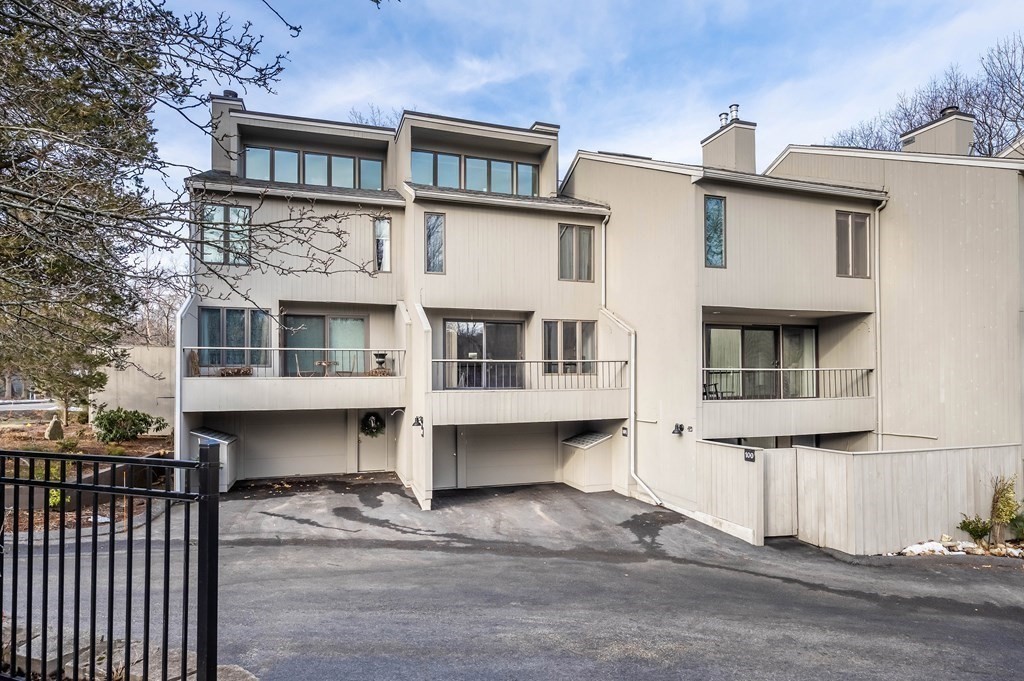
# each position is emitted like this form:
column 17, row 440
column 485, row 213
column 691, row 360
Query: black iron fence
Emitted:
column 98, row 579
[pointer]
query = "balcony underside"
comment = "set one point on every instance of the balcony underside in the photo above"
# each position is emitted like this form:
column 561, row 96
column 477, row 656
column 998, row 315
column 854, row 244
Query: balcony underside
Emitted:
column 251, row 393
column 464, row 407
column 802, row 416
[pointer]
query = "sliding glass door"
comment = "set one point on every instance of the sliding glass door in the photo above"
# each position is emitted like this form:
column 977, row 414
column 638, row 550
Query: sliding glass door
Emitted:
column 303, row 340
column 347, row 340
column 476, row 343
column 760, row 362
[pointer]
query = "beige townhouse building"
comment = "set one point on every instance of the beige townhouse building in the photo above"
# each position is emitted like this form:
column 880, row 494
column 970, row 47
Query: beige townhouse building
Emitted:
column 763, row 352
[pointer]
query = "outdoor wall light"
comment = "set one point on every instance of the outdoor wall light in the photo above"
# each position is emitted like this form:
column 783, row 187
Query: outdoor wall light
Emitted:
column 678, row 429
column 418, row 421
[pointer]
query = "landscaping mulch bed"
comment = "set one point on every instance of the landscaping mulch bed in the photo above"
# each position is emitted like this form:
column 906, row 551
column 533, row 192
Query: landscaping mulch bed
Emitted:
column 122, row 510
column 24, row 431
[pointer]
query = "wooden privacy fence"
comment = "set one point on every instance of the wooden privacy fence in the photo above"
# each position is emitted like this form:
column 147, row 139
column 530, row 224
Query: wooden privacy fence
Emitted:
column 878, row 502
column 731, row 494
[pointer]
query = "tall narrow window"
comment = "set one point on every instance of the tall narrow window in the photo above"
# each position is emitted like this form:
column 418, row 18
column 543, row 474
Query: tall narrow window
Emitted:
column 714, row 231
column 382, row 244
column 852, row 244
column 434, row 242
column 575, row 253
column 225, row 235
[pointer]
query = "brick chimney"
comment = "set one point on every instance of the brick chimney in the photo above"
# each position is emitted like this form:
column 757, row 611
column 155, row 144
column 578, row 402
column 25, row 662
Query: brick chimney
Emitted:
column 731, row 146
column 951, row 133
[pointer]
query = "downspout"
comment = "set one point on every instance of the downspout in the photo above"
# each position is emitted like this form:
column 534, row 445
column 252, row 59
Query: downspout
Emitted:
column 878, row 323
column 631, row 332
column 179, row 430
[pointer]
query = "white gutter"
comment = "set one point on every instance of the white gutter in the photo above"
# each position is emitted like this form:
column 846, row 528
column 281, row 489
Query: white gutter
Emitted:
column 179, row 430
column 878, row 323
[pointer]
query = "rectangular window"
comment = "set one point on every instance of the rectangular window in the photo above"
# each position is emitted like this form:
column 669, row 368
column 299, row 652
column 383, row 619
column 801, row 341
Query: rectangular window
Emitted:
column 484, row 175
column 371, row 174
column 714, row 231
column 852, row 243
column 501, row 177
column 257, row 163
column 286, row 166
column 423, row 167
column 382, row 244
column 448, row 171
column 570, row 347
column 434, row 242
column 343, row 172
column 314, row 169
column 436, row 169
column 476, row 174
column 225, row 235
column 575, row 253
column 222, row 329
column 526, row 179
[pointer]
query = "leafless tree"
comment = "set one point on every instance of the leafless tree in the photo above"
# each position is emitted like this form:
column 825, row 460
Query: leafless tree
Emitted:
column 87, row 203
column 994, row 94
column 374, row 115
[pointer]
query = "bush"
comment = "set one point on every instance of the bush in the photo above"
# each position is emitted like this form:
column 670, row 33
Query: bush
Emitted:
column 67, row 445
column 1017, row 527
column 83, row 417
column 977, row 527
column 114, row 450
column 122, row 425
column 1004, row 505
column 55, row 498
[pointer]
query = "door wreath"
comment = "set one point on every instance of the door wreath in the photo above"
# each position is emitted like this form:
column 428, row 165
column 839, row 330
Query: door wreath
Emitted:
column 372, row 424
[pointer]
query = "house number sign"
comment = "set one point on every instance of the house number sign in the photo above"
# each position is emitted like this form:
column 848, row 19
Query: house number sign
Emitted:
column 748, row 455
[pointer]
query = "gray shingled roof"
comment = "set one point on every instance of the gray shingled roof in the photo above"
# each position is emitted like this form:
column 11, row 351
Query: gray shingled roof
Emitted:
column 367, row 195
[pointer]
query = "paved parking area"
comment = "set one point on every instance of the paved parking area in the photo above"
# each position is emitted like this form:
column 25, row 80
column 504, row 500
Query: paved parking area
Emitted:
column 347, row 578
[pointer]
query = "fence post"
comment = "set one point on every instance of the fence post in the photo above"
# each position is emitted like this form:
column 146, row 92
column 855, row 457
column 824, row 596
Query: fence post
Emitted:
column 209, row 522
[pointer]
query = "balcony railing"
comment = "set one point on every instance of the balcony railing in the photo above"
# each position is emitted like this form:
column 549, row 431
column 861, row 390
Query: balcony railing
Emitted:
column 787, row 384
column 292, row 362
column 509, row 374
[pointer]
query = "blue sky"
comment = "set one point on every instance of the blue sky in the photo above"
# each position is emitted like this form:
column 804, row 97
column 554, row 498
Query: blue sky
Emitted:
column 639, row 77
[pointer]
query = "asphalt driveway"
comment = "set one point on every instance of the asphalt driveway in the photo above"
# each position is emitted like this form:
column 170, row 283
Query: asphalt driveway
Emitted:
column 347, row 578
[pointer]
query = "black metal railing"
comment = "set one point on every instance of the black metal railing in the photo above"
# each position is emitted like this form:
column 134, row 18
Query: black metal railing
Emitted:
column 74, row 577
column 292, row 362
column 789, row 384
column 517, row 374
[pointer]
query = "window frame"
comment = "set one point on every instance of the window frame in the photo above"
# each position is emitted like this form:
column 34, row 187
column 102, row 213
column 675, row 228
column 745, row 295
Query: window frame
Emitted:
column 327, row 175
column 224, row 226
column 376, row 265
column 849, row 273
column 435, row 177
column 247, row 349
column 357, row 171
column 330, row 171
column 575, row 252
column 270, row 162
column 444, row 243
column 359, row 178
column 555, row 366
column 535, row 189
column 725, row 262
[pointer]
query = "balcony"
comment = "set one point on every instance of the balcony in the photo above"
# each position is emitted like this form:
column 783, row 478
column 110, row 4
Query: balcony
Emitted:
column 271, row 379
column 758, row 402
column 527, row 391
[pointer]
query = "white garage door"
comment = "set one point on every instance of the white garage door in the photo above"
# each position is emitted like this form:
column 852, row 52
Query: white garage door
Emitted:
column 509, row 454
column 280, row 444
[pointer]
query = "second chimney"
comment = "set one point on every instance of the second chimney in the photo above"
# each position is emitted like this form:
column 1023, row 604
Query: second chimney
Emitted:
column 731, row 146
column 951, row 133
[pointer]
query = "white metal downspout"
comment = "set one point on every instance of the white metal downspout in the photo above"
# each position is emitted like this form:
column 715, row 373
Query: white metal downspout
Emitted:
column 632, row 364
column 878, row 323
